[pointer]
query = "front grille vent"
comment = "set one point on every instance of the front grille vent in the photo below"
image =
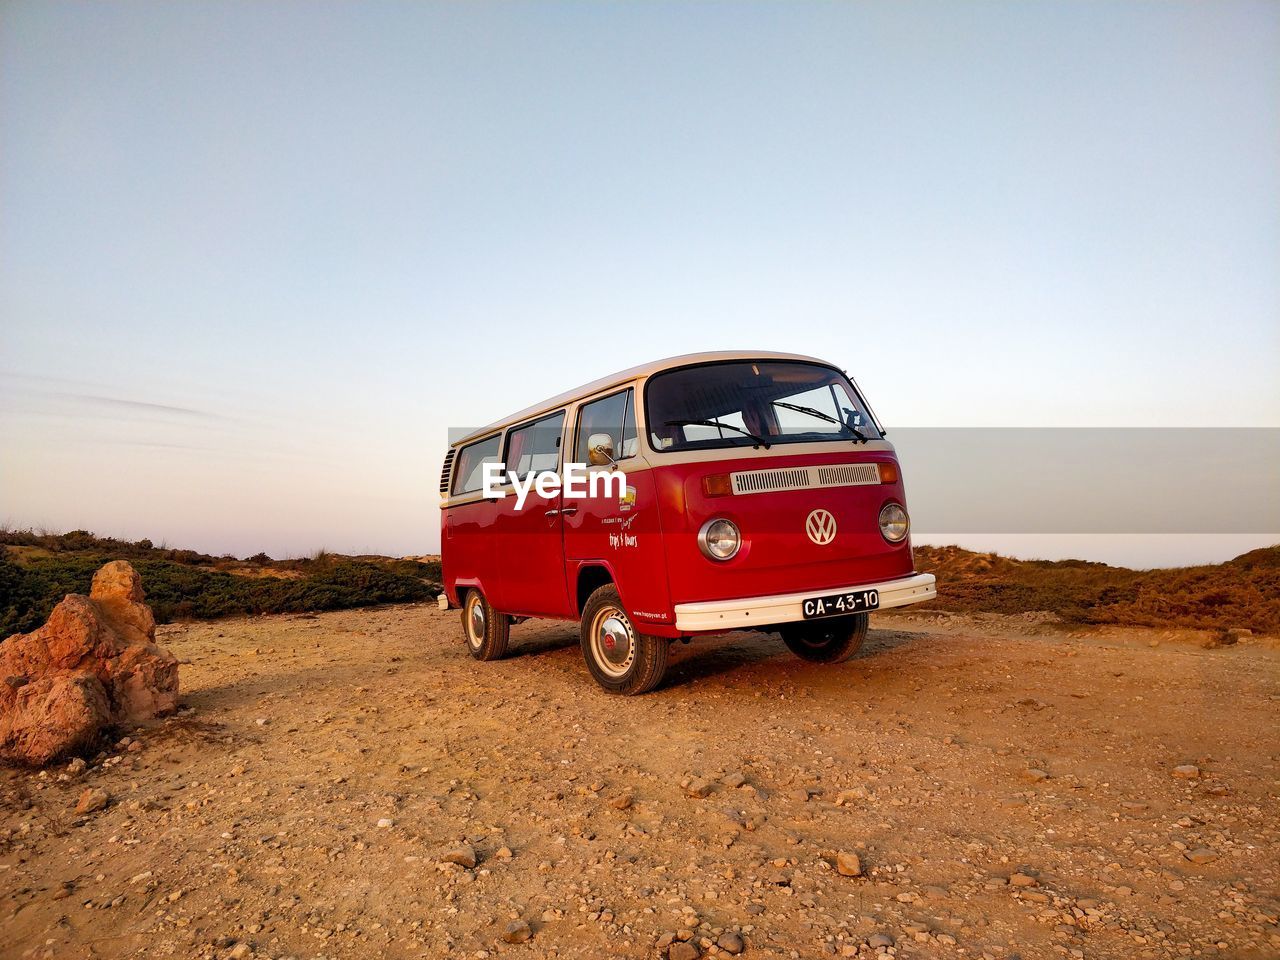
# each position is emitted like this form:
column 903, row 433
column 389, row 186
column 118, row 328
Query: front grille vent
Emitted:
column 848, row 474
column 805, row 478
column 765, row 481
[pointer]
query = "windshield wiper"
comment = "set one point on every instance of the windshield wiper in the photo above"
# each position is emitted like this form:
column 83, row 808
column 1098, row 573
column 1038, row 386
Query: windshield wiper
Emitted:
column 760, row 441
column 822, row 416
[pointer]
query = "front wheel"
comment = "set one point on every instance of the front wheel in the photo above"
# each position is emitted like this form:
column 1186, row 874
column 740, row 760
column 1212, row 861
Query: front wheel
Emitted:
column 486, row 631
column 826, row 641
column 620, row 659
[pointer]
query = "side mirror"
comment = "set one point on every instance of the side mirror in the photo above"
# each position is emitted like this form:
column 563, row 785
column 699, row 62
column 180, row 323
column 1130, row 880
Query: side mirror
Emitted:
column 600, row 449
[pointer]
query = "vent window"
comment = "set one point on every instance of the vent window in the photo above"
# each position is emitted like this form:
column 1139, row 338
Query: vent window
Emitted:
column 445, row 470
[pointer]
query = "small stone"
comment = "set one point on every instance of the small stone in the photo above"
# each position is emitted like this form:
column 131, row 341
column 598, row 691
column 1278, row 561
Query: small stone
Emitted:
column 93, row 800
column 734, row 780
column 77, row 767
column 1035, row 775
column 239, row 952
column 683, row 950
column 1021, row 880
column 262, row 721
column 1201, row 855
column 1187, row 771
column 462, row 856
column 504, row 853
column 880, row 940
column 622, row 802
column 517, row 931
column 385, row 823
column 731, row 942
column 848, row 864
column 698, row 787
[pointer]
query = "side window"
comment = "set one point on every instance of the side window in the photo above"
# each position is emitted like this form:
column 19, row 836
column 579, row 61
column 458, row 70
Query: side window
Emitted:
column 614, row 415
column 536, row 446
column 468, row 475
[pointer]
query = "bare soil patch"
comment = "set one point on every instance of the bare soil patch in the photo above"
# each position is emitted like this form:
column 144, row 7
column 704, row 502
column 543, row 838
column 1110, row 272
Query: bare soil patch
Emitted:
column 1008, row 788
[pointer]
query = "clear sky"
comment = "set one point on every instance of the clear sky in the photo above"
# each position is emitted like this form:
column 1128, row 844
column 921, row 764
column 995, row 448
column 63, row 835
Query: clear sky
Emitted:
column 257, row 258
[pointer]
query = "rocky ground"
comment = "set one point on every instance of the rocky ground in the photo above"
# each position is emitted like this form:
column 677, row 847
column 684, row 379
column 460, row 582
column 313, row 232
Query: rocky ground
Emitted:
column 354, row 785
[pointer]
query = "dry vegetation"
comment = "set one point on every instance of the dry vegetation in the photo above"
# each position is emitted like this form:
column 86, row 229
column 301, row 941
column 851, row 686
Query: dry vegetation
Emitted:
column 1241, row 593
column 38, row 569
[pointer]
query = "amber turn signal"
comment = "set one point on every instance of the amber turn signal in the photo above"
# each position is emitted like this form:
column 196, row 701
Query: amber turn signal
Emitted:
column 717, row 485
column 888, row 472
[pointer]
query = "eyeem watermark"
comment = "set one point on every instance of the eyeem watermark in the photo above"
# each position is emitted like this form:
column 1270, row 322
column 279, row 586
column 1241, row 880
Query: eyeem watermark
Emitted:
column 578, row 483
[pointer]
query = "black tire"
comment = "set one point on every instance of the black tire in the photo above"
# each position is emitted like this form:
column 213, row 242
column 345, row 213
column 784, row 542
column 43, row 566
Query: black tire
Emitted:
column 826, row 641
column 487, row 637
column 636, row 669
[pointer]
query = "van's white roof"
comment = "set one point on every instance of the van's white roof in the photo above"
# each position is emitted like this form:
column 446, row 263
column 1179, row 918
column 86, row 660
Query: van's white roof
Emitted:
column 626, row 376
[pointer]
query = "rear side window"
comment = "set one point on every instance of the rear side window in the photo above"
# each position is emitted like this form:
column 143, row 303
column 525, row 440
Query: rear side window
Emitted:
column 614, row 415
column 536, row 446
column 468, row 475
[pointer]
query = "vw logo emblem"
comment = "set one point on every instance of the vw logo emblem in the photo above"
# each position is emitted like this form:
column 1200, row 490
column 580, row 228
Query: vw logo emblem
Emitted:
column 820, row 525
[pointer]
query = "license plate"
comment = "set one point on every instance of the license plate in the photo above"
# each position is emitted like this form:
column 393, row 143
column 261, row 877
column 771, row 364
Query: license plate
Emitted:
column 841, row 604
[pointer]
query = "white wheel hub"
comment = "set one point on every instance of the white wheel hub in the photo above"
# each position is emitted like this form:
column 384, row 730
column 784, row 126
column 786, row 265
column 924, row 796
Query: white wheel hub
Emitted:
column 613, row 642
column 475, row 621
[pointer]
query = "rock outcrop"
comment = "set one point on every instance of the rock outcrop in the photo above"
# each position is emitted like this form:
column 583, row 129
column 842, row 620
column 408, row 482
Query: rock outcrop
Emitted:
column 94, row 664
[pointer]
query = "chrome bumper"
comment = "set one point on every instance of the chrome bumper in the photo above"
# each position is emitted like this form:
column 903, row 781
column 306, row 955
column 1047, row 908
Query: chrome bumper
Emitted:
column 786, row 607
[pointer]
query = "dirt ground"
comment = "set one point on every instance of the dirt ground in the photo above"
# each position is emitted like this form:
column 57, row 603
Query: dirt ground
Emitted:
column 1009, row 789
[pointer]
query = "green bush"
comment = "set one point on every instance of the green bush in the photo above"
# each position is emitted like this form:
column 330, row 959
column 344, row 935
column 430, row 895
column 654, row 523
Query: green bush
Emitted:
column 30, row 590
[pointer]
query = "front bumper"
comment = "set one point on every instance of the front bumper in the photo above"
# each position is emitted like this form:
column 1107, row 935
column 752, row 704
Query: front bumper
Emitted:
column 714, row 615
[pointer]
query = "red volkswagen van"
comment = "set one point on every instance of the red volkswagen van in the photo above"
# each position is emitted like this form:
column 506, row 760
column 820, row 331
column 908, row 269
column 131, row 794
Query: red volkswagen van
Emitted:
column 757, row 493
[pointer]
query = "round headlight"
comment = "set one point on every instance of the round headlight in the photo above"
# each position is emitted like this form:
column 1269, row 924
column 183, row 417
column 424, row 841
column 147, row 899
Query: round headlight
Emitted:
column 893, row 522
column 719, row 539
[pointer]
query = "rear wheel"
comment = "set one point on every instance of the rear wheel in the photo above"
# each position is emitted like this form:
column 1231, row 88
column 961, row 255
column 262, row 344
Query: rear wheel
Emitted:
column 621, row 659
column 826, row 641
column 486, row 631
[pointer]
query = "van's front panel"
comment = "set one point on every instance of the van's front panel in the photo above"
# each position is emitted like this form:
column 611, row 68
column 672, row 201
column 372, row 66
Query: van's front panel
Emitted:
column 622, row 532
column 796, row 534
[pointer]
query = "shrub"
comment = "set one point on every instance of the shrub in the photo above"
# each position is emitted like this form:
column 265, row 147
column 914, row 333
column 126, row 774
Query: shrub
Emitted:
column 30, row 588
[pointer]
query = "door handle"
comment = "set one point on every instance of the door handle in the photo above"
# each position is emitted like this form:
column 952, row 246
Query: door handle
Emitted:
column 552, row 513
column 569, row 511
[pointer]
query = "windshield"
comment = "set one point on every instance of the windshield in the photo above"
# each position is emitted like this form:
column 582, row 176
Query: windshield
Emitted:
column 753, row 403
